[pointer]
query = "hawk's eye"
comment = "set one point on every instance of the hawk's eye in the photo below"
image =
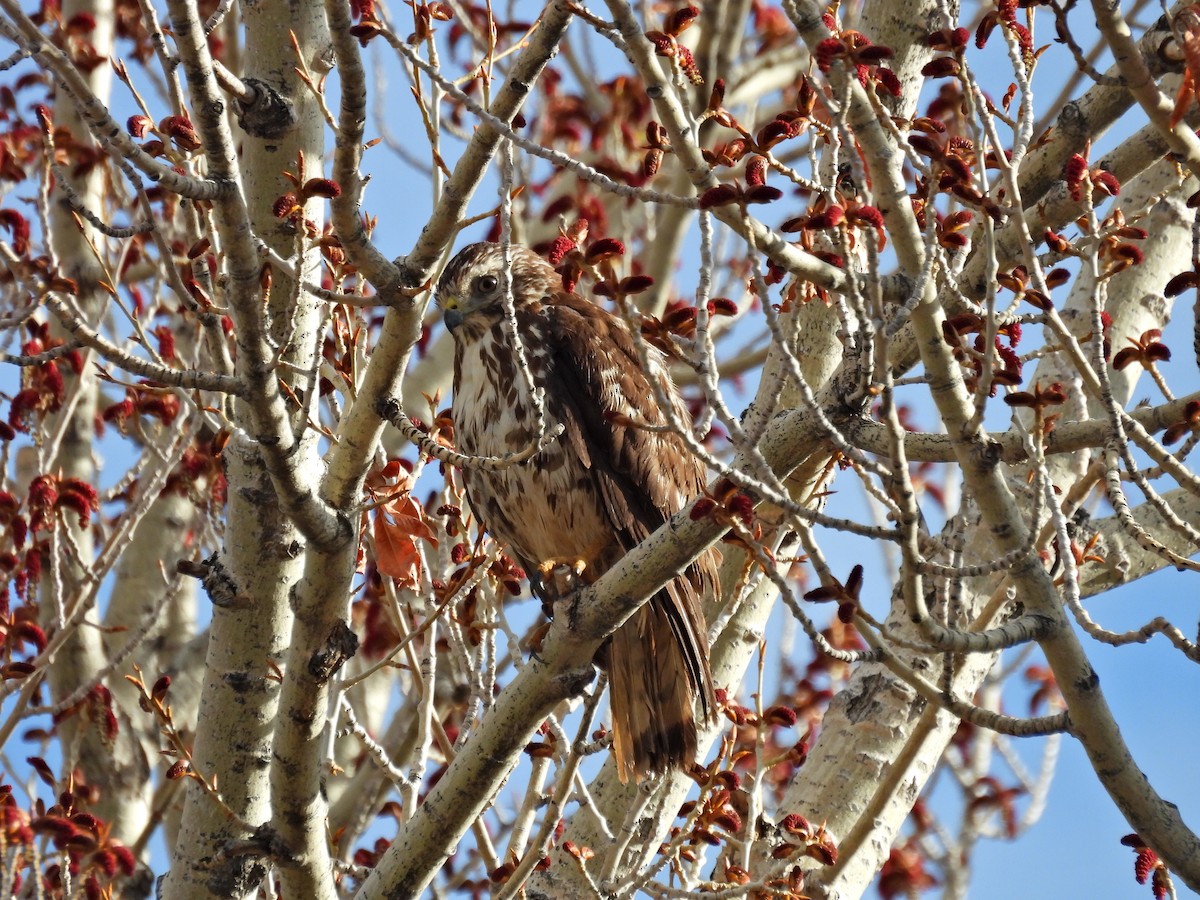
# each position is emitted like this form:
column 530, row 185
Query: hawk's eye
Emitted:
column 485, row 284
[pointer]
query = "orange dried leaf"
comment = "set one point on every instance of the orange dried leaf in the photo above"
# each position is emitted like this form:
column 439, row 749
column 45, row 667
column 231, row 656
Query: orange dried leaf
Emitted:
column 398, row 524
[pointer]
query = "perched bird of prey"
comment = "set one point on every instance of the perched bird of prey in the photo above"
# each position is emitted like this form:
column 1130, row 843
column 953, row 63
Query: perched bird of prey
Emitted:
column 603, row 486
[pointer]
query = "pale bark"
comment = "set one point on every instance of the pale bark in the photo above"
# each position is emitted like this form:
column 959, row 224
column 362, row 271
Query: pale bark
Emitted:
column 262, row 558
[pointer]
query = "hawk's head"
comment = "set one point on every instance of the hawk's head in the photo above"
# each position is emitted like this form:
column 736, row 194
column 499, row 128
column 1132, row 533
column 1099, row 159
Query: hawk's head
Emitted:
column 473, row 282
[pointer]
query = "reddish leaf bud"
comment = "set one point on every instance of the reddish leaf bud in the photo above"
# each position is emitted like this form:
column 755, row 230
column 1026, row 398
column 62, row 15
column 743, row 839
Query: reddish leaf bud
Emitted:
column 950, row 39
column 651, row 162
column 137, row 125
column 717, row 96
column 762, row 193
column 756, row 170
column 1106, row 182
column 678, row 21
column 635, row 284
column 889, row 81
column 941, row 67
column 680, row 320
column 925, row 145
column 873, row 54
column 321, row 187
column 722, row 306
column 728, row 821
column 159, row 691
column 604, row 248
column 721, row 195
column 1182, row 282
column 559, row 248
column 783, row 716
column 181, row 131
column 664, row 44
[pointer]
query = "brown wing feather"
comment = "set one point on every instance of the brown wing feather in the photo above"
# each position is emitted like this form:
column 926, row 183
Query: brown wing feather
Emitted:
column 644, row 477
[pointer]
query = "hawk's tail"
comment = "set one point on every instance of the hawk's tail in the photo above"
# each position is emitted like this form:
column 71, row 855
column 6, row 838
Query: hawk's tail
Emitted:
column 658, row 667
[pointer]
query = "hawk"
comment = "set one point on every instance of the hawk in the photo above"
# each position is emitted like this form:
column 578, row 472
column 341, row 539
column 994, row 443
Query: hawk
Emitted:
column 602, row 487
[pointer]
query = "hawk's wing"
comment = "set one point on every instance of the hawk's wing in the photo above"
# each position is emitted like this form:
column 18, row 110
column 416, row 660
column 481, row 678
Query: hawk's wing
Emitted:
column 644, row 476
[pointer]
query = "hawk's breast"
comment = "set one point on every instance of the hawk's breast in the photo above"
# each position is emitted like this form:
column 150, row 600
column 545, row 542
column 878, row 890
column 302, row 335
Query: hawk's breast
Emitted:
column 547, row 508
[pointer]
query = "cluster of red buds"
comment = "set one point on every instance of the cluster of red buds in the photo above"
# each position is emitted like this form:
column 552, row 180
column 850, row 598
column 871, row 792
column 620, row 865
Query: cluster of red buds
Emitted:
column 658, row 144
column 94, row 862
column 1039, row 400
column 201, row 466
column 1146, row 350
column 1018, row 281
column 1077, row 173
column 50, row 494
column 726, row 505
column 572, row 260
column 716, row 809
column 826, row 216
column 145, row 399
column 21, row 638
column 950, row 229
column 1005, row 15
column 678, row 320
column 368, row 24
column 792, row 122
column 368, row 858
column 1081, row 554
column 1009, row 373
column 951, row 159
column 756, row 191
column 666, row 42
column 951, row 41
column 1187, row 424
column 73, row 35
column 785, row 125
column 814, row 842
column 1045, row 692
column 989, row 795
column 845, row 594
column 855, row 50
column 545, row 748
column 904, row 875
column 43, row 389
column 1115, row 250
column 505, row 870
column 948, row 40
column 1148, row 867
column 18, row 228
column 97, row 706
column 291, row 205
column 177, row 130
column 424, row 15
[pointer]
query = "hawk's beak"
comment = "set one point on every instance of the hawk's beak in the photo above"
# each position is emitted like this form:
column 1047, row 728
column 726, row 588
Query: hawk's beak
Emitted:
column 451, row 314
